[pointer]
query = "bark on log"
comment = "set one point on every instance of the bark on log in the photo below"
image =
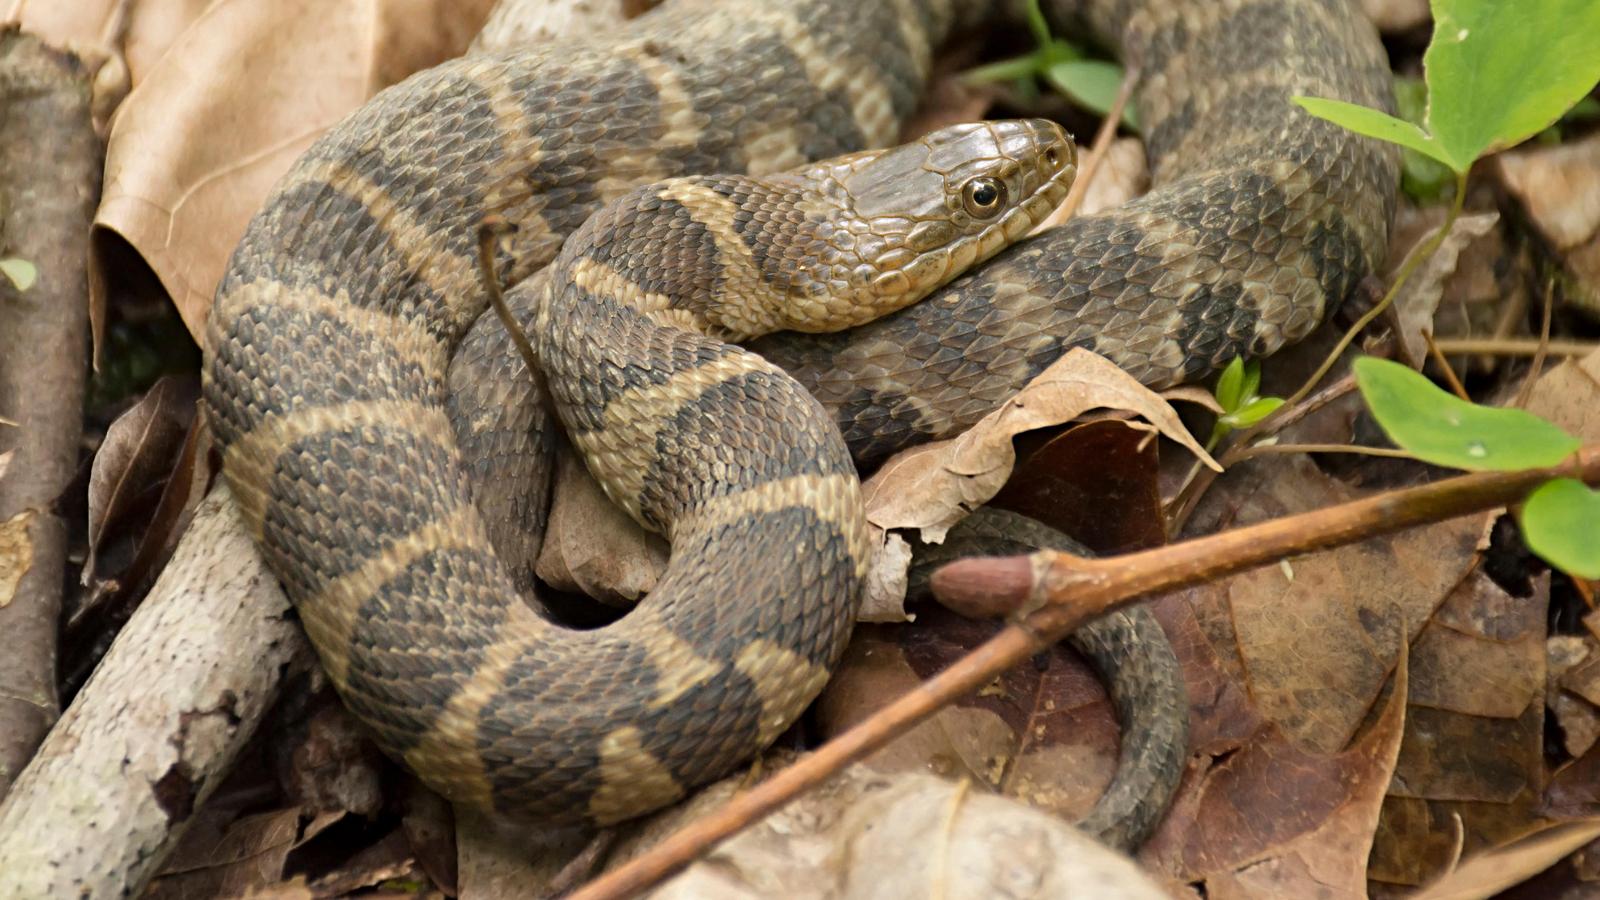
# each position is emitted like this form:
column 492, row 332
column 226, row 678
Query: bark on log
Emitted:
column 50, row 162
column 158, row 725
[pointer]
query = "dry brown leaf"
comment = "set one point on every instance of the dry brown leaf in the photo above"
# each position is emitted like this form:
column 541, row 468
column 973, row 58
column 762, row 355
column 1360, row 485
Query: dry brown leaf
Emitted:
column 1316, row 637
column 250, row 852
column 1487, row 874
column 16, row 554
column 229, row 106
column 326, row 763
column 864, row 835
column 1472, row 767
column 1559, row 186
column 933, row 486
column 1042, row 733
column 593, row 547
column 137, row 454
column 389, row 858
column 1569, row 395
column 1097, row 482
column 1270, row 818
column 1419, row 298
column 1572, row 684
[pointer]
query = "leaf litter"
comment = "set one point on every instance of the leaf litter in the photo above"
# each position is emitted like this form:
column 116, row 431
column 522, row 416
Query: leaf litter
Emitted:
column 1269, row 707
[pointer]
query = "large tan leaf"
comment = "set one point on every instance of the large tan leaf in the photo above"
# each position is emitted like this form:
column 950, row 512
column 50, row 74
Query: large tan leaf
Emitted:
column 229, row 106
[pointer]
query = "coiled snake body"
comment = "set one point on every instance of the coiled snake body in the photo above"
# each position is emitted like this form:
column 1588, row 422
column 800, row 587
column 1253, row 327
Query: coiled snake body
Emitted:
column 351, row 440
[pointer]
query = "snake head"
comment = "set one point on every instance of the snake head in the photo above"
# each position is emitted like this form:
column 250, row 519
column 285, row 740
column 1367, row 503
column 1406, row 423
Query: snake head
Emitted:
column 898, row 224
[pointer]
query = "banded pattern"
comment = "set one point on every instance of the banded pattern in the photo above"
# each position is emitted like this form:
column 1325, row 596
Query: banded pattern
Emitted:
column 344, row 434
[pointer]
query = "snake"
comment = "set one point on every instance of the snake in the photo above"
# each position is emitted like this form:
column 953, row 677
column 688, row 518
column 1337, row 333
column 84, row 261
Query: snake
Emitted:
column 342, row 349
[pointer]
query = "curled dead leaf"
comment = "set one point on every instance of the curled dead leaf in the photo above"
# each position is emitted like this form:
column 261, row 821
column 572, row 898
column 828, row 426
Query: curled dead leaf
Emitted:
column 237, row 97
column 933, row 486
column 1415, row 305
column 137, row 454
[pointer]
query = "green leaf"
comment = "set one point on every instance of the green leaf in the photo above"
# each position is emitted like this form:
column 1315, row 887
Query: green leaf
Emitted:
column 1441, row 428
column 1230, row 383
column 1561, row 522
column 1500, row 72
column 22, row 273
column 1091, row 82
column 1253, row 412
column 1372, row 123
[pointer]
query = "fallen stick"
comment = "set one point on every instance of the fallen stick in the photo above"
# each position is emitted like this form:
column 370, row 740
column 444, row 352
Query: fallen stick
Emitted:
column 46, row 203
column 158, row 725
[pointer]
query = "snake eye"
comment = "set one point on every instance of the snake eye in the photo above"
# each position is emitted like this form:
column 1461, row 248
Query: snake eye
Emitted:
column 983, row 197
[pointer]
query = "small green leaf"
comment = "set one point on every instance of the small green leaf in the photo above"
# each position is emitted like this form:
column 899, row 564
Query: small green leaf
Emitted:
column 1230, row 383
column 1561, row 522
column 1443, row 429
column 1253, row 412
column 1091, row 82
column 22, row 273
column 1251, row 388
column 1372, row 123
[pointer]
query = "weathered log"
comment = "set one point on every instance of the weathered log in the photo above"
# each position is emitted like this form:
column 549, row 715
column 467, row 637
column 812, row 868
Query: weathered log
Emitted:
column 158, row 725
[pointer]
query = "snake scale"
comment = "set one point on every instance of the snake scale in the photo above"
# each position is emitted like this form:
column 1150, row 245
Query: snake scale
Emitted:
column 352, row 441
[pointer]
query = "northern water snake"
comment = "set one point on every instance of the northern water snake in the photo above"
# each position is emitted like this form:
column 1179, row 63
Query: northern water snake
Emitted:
column 326, row 357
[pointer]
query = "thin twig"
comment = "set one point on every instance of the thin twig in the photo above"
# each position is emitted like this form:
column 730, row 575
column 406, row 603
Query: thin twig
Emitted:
column 1544, row 344
column 1097, row 150
column 1516, row 347
column 1073, row 591
column 1456, row 386
column 489, row 230
column 1357, row 449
